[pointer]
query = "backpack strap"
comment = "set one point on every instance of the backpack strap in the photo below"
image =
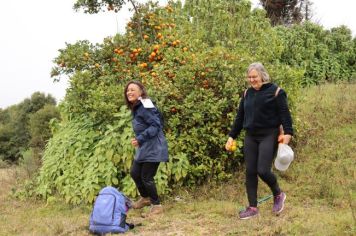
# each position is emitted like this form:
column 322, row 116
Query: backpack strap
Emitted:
column 245, row 93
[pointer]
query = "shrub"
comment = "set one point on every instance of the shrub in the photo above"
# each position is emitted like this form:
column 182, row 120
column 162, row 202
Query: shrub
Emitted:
column 194, row 70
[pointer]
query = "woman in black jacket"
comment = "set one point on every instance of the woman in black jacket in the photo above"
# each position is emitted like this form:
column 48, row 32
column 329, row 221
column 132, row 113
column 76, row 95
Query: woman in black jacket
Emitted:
column 149, row 142
column 262, row 110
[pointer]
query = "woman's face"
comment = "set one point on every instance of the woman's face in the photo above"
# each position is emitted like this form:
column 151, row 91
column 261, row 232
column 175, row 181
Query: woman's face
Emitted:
column 133, row 93
column 254, row 79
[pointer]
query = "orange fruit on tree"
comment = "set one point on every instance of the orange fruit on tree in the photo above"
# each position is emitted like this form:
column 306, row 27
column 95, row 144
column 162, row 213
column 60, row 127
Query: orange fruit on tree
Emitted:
column 156, row 47
column 143, row 65
column 169, row 9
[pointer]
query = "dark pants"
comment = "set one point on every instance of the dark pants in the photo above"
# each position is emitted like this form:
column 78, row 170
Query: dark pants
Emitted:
column 259, row 150
column 143, row 173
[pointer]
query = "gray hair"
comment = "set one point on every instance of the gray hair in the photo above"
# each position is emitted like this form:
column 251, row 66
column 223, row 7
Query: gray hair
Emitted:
column 260, row 70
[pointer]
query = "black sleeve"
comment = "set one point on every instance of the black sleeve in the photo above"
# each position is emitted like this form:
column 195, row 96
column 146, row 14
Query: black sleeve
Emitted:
column 238, row 123
column 284, row 113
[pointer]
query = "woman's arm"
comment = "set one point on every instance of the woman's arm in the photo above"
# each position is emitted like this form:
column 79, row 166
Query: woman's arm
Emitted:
column 284, row 114
column 238, row 123
column 152, row 119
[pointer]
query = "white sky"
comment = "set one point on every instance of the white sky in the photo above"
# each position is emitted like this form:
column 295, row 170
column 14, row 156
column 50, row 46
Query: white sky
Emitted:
column 32, row 31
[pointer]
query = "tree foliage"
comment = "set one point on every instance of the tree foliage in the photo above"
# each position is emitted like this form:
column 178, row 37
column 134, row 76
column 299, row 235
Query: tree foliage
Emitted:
column 38, row 125
column 325, row 55
column 193, row 66
column 287, row 12
column 193, row 61
column 15, row 132
column 95, row 6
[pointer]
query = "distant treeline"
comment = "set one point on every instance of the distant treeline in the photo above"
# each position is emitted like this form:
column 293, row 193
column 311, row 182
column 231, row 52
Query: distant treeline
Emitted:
column 25, row 126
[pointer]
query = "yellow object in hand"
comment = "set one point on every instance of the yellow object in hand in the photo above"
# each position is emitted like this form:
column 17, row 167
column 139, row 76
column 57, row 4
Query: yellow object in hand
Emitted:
column 233, row 146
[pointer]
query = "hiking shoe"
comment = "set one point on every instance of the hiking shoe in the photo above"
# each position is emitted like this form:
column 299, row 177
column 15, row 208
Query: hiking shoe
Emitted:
column 278, row 204
column 248, row 213
column 154, row 211
column 142, row 202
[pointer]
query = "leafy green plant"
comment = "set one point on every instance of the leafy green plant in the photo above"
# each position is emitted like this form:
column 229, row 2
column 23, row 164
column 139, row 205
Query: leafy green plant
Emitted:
column 194, row 70
column 324, row 55
column 30, row 162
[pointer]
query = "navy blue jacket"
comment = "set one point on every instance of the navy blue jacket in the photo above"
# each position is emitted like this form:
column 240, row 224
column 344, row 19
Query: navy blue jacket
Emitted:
column 261, row 109
column 148, row 130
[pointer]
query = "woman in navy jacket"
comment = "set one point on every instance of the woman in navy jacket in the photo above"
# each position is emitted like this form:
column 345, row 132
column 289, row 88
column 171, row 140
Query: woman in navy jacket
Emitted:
column 262, row 110
column 149, row 142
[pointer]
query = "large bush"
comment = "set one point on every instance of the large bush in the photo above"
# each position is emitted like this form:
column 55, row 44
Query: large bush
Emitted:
column 192, row 60
column 325, row 55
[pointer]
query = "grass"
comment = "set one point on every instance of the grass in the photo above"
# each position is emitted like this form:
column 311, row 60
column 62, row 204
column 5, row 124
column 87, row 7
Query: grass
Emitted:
column 320, row 186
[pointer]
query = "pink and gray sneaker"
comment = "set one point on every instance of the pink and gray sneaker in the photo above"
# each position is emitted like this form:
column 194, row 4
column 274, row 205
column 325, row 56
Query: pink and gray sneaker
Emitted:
column 248, row 213
column 278, row 204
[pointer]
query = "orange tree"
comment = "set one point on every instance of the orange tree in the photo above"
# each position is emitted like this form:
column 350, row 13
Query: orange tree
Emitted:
column 192, row 59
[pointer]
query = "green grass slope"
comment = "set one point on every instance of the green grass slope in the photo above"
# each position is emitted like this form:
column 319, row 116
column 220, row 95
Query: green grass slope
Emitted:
column 320, row 186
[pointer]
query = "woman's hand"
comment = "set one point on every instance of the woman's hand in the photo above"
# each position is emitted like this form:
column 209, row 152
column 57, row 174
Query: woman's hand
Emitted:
column 287, row 138
column 229, row 143
column 134, row 142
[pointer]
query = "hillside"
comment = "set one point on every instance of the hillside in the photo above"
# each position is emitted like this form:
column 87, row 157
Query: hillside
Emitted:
column 320, row 187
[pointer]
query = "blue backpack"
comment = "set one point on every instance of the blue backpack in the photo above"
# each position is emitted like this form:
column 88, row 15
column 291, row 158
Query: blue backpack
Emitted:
column 109, row 212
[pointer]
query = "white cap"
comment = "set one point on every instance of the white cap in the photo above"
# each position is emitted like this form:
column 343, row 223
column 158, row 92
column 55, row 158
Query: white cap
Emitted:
column 285, row 156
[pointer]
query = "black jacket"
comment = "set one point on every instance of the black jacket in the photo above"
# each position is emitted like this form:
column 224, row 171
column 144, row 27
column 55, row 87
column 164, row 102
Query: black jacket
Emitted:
column 261, row 109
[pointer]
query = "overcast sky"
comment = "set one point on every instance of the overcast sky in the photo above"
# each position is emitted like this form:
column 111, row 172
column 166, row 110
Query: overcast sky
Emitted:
column 32, row 31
